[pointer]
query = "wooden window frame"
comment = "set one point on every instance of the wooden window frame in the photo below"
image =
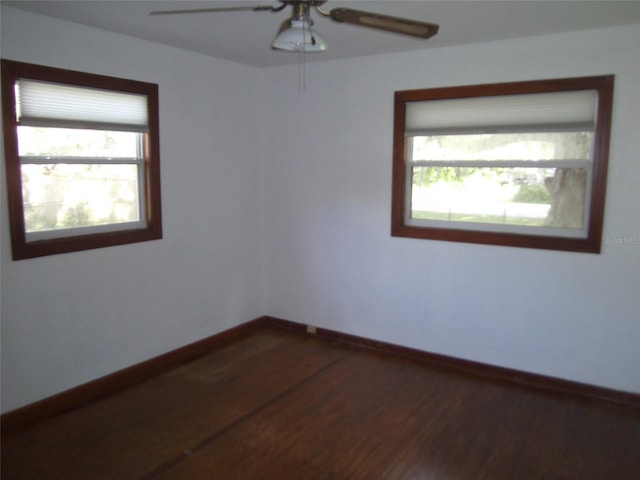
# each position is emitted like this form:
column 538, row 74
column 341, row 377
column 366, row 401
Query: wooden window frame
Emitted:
column 591, row 244
column 23, row 249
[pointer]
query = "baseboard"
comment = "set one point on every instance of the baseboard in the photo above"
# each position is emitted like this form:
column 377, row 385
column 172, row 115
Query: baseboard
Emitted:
column 469, row 367
column 120, row 380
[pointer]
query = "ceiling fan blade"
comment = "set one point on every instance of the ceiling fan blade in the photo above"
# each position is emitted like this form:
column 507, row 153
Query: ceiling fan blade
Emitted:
column 402, row 26
column 217, row 9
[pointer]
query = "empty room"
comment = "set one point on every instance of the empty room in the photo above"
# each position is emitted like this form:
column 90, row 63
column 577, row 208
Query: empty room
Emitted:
column 320, row 240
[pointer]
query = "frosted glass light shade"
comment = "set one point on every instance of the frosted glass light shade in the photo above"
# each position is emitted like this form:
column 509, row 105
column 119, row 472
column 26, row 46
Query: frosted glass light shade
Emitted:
column 300, row 37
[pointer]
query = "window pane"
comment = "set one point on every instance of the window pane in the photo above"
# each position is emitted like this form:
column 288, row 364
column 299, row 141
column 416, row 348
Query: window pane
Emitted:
column 551, row 197
column 65, row 196
column 69, row 142
column 504, row 146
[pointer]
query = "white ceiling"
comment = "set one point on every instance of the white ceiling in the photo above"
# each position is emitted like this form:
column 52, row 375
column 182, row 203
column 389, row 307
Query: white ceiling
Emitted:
column 246, row 36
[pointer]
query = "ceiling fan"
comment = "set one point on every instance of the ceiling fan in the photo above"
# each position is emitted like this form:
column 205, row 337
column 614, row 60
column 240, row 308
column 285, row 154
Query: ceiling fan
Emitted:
column 295, row 33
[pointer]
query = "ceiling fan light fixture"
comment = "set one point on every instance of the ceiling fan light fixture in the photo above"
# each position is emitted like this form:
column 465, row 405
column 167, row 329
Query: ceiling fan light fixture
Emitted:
column 299, row 37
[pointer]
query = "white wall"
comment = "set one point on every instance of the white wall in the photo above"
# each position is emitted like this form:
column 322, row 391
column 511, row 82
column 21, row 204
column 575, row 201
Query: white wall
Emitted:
column 331, row 260
column 68, row 319
column 326, row 253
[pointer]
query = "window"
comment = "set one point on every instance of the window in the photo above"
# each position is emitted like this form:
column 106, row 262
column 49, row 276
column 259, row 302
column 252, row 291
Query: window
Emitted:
column 82, row 160
column 519, row 164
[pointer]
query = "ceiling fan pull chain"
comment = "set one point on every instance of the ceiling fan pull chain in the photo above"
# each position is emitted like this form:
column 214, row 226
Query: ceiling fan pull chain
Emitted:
column 302, row 67
column 300, row 71
column 304, row 55
column 302, row 60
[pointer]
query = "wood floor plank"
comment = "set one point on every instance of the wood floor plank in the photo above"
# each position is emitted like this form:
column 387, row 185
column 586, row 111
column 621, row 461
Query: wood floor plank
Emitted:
column 368, row 417
column 318, row 430
column 514, row 434
column 278, row 405
column 132, row 433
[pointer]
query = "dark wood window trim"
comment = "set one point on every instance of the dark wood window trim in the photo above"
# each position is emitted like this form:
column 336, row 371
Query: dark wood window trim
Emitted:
column 591, row 244
column 21, row 248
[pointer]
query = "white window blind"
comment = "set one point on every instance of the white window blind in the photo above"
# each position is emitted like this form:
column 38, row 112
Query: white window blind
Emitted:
column 530, row 112
column 56, row 105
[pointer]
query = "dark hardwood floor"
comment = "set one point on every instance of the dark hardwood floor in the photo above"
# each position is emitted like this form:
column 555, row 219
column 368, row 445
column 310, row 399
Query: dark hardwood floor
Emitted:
column 279, row 405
